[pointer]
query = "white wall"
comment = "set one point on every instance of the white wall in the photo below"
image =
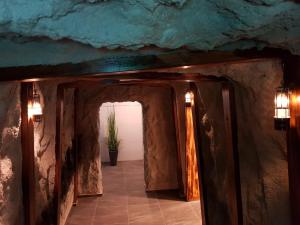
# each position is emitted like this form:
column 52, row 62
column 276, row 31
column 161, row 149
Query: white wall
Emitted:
column 129, row 120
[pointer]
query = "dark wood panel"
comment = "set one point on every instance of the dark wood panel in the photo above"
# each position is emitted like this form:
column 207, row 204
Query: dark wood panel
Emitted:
column 27, row 141
column 232, row 158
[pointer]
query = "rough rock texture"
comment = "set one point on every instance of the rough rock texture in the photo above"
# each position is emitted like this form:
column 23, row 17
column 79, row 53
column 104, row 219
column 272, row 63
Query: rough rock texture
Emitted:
column 44, row 147
column 44, row 134
column 262, row 150
column 67, row 177
column 159, row 134
column 196, row 24
column 11, row 205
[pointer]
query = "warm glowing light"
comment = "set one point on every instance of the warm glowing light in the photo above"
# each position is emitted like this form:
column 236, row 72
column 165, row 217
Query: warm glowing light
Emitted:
column 35, row 110
column 186, row 67
column 282, row 109
column 282, row 104
column 189, row 98
column 298, row 99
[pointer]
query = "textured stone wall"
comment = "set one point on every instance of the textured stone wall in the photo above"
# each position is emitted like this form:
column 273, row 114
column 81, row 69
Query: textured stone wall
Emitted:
column 31, row 30
column 262, row 150
column 44, row 147
column 159, row 134
column 67, row 176
column 44, row 134
column 11, row 204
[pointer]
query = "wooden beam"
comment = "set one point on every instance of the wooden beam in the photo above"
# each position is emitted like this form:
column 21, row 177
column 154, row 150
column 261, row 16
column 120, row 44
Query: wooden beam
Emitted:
column 176, row 123
column 58, row 149
column 27, row 141
column 232, row 158
column 132, row 64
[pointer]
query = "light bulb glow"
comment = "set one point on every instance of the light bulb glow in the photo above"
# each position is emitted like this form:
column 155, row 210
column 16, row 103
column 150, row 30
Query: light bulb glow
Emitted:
column 282, row 104
column 189, row 98
column 35, row 110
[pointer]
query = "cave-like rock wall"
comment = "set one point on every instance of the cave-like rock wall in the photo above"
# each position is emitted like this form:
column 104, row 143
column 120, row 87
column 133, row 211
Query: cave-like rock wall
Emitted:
column 44, row 138
column 262, row 149
column 29, row 29
column 159, row 134
column 11, row 204
column 44, row 147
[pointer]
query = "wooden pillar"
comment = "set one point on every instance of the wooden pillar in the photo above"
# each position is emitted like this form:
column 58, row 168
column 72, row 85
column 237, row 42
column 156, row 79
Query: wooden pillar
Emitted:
column 27, row 141
column 76, row 142
column 192, row 178
column 292, row 78
column 179, row 164
column 293, row 138
column 59, row 126
column 232, row 158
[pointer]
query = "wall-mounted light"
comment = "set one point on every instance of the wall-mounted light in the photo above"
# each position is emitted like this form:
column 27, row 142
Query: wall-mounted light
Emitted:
column 189, row 98
column 35, row 110
column 282, row 109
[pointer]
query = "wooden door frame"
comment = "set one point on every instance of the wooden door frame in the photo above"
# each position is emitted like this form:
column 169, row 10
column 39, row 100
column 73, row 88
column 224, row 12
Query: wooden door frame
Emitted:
column 27, row 143
column 163, row 82
column 232, row 157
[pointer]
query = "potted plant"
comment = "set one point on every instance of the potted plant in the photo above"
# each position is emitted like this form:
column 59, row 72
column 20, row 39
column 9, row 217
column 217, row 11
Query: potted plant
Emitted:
column 112, row 141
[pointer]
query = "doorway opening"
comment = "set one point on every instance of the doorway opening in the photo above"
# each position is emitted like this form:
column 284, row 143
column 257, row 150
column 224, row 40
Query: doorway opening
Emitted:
column 129, row 122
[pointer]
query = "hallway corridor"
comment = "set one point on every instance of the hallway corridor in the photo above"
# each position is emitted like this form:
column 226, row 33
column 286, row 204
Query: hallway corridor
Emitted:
column 125, row 202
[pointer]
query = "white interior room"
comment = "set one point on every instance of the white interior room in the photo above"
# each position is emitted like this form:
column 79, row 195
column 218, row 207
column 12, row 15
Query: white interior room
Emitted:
column 129, row 120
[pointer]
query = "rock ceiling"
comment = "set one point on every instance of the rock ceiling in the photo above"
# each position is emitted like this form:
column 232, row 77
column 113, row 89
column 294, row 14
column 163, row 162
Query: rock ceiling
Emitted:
column 31, row 31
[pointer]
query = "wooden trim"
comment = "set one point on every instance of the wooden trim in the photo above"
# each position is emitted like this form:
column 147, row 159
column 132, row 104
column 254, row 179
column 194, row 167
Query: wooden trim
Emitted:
column 199, row 152
column 59, row 127
column 27, row 141
column 232, row 157
column 76, row 147
column 178, row 142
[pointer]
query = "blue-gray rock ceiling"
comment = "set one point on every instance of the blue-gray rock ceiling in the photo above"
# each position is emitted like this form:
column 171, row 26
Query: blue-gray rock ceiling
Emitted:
column 133, row 24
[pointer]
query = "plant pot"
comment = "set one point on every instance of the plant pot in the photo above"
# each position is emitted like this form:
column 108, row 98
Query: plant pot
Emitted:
column 113, row 156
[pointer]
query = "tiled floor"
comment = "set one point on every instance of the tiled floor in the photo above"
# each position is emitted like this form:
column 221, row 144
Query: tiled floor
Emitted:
column 125, row 202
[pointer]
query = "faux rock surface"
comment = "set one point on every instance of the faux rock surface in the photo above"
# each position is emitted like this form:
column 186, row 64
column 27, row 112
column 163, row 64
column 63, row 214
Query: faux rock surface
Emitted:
column 44, row 147
column 159, row 134
column 28, row 26
column 262, row 150
column 11, row 204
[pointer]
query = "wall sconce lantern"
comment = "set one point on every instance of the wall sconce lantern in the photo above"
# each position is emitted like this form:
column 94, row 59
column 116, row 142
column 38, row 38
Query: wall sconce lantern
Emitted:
column 189, row 99
column 282, row 109
column 35, row 108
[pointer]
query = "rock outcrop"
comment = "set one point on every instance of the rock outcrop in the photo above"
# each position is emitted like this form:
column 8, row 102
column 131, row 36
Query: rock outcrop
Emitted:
column 28, row 28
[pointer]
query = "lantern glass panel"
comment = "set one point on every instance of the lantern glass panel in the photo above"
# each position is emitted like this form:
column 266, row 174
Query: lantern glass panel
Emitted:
column 282, row 104
column 189, row 96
